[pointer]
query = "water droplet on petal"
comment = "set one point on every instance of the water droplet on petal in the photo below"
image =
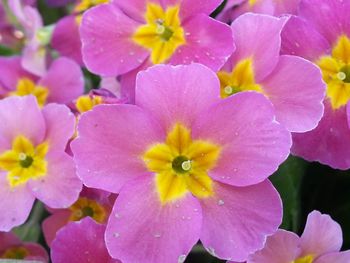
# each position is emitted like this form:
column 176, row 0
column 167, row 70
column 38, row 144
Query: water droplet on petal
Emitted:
column 221, row 202
column 157, row 235
column 116, row 234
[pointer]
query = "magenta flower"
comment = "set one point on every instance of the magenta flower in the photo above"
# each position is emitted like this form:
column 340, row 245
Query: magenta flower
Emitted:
column 33, row 163
column 186, row 164
column 93, row 203
column 321, row 33
column 235, row 8
column 320, row 243
column 62, row 83
column 292, row 84
column 11, row 247
column 80, row 242
column 120, row 36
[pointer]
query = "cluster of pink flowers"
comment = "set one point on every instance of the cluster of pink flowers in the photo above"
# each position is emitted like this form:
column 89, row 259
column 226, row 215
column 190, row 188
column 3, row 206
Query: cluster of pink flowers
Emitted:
column 177, row 142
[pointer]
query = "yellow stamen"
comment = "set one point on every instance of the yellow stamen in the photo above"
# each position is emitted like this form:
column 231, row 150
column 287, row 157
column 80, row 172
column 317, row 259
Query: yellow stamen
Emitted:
column 15, row 253
column 84, row 207
column 336, row 73
column 182, row 164
column 240, row 79
column 26, row 87
column 162, row 34
column 306, row 259
column 24, row 161
column 85, row 103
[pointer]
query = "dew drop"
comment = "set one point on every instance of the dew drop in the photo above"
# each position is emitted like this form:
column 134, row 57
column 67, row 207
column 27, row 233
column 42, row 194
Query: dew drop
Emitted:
column 117, row 215
column 221, row 202
column 116, row 235
column 157, row 235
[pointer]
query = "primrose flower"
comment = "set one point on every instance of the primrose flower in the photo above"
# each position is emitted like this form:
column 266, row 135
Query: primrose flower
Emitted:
column 186, row 164
column 292, row 84
column 62, row 83
column 321, row 33
column 320, row 243
column 235, row 8
column 120, row 36
column 93, row 203
column 11, row 247
column 33, row 163
column 81, row 242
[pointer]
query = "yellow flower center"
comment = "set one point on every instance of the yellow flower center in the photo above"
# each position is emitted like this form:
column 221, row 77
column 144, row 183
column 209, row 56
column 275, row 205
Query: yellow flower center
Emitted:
column 84, row 207
column 306, row 259
column 336, row 72
column 162, row 34
column 240, row 79
column 86, row 4
column 85, row 103
column 24, row 161
column 15, row 253
column 182, row 164
column 26, row 87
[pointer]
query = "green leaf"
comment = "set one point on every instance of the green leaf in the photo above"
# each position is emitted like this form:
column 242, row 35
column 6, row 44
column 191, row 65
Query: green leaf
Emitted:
column 288, row 180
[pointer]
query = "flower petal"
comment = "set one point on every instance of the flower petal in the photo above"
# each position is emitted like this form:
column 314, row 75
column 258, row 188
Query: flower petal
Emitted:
column 330, row 18
column 60, row 125
column 321, row 235
column 81, row 242
column 337, row 257
column 253, row 143
column 60, row 178
column 108, row 48
column 258, row 37
column 53, row 223
column 283, row 246
column 296, row 91
column 141, row 229
column 64, row 80
column 66, row 40
column 300, row 38
column 329, row 142
column 237, row 220
column 111, row 141
column 20, row 116
column 208, row 42
column 15, row 204
column 177, row 94
column 11, row 71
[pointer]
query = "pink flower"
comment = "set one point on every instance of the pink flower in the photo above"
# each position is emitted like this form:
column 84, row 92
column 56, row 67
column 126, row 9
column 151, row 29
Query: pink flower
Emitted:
column 62, row 83
column 292, row 84
column 80, row 242
column 33, row 163
column 187, row 165
column 13, row 248
column 92, row 203
column 321, row 33
column 235, row 8
column 119, row 37
column 320, row 243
